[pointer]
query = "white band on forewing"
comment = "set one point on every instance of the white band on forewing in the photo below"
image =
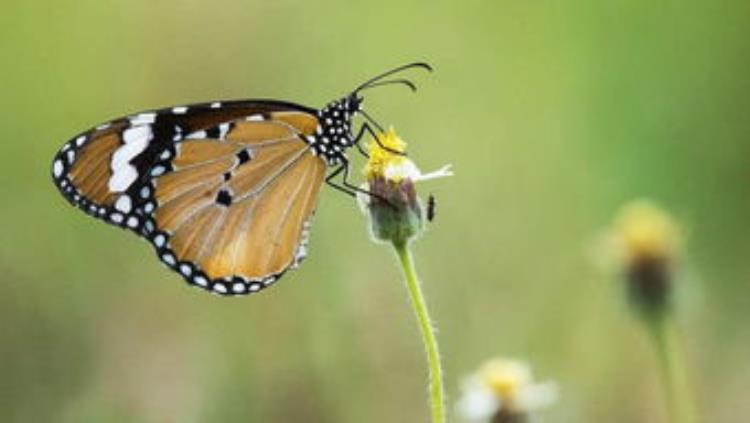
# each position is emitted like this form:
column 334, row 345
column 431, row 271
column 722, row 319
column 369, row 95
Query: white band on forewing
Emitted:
column 136, row 140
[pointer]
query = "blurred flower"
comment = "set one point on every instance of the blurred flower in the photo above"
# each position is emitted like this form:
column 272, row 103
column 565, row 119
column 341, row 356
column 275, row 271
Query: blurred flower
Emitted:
column 647, row 243
column 395, row 211
column 644, row 231
column 503, row 390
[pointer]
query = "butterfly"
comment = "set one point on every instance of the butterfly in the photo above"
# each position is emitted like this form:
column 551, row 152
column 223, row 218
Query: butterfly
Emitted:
column 224, row 191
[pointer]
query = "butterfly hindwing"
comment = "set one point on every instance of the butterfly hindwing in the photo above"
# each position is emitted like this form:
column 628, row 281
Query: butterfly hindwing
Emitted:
column 236, row 221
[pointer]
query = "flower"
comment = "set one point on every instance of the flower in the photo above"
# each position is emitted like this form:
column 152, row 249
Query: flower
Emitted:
column 504, row 390
column 394, row 208
column 647, row 243
column 643, row 231
column 390, row 200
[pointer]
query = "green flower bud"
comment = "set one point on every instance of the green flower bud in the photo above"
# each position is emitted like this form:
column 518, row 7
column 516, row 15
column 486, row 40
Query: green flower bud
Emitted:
column 395, row 211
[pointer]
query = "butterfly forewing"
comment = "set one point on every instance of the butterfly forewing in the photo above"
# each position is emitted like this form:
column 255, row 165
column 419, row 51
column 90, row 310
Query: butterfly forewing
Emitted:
column 223, row 191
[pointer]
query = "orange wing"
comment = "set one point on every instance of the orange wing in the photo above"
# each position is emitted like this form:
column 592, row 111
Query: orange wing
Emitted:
column 105, row 171
column 232, row 215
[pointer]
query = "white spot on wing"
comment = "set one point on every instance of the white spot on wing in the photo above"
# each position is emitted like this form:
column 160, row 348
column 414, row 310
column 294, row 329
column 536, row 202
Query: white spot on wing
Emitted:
column 116, row 217
column 158, row 170
column 137, row 133
column 80, row 140
column 197, row 135
column 216, row 105
column 143, row 119
column 179, row 110
column 223, row 129
column 124, row 204
column 57, row 168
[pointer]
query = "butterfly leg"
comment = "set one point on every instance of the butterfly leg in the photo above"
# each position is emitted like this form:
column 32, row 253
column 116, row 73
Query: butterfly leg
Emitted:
column 342, row 188
column 366, row 128
column 349, row 188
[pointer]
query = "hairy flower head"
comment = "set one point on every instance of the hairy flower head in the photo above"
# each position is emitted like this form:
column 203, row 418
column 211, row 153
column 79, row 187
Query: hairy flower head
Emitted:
column 644, row 231
column 393, row 205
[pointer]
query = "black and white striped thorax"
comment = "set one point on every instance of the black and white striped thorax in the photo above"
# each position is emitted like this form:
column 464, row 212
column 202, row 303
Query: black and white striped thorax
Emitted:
column 333, row 136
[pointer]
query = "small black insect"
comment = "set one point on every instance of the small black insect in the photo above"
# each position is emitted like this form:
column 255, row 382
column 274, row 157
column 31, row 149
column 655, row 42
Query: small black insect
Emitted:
column 430, row 208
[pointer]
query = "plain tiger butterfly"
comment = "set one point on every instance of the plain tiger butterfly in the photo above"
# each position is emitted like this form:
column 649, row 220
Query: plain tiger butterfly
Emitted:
column 225, row 190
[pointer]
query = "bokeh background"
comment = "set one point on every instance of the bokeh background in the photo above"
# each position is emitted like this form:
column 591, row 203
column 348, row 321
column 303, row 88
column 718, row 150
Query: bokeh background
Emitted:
column 553, row 115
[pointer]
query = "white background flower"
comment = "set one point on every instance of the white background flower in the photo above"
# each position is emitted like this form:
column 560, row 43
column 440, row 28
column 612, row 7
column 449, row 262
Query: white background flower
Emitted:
column 503, row 384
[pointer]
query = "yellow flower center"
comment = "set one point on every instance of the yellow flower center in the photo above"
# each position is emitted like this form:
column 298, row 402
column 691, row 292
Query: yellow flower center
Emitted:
column 382, row 156
column 647, row 231
column 505, row 378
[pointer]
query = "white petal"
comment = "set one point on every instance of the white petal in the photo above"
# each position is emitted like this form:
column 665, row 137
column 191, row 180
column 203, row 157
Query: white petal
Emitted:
column 478, row 404
column 440, row 173
column 363, row 200
column 540, row 395
column 404, row 170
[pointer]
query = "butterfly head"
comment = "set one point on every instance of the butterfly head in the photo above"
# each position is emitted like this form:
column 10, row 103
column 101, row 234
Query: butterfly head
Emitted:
column 334, row 132
column 340, row 112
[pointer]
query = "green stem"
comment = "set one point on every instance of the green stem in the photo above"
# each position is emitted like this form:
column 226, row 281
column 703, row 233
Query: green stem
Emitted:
column 428, row 332
column 673, row 371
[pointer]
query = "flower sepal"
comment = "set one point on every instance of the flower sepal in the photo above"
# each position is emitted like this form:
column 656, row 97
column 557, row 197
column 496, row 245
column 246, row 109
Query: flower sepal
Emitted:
column 396, row 214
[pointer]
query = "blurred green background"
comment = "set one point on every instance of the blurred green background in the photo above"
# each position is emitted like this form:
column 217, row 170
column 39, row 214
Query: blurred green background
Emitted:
column 553, row 114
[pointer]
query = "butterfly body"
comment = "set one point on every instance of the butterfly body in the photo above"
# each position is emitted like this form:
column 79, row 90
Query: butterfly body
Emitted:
column 334, row 133
column 224, row 191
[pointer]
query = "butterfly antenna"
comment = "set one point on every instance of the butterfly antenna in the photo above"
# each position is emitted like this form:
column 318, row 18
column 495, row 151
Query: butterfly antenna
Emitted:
column 385, row 74
column 401, row 81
